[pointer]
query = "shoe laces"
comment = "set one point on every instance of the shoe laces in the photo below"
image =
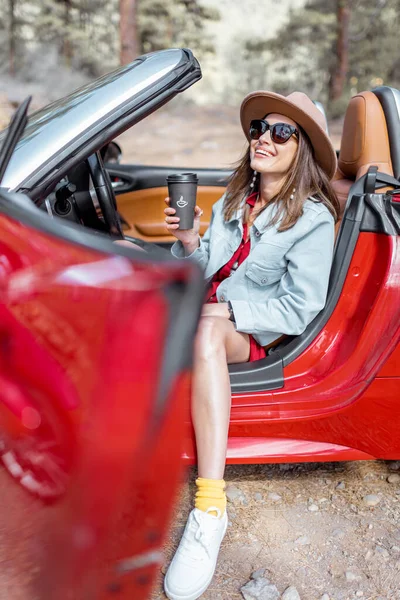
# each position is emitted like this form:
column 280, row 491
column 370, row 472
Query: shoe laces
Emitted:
column 201, row 534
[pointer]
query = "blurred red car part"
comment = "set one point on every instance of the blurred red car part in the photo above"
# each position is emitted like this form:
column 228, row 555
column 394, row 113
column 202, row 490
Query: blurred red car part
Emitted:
column 95, row 352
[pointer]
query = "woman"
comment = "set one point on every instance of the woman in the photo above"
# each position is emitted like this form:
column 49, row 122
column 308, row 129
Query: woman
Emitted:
column 267, row 254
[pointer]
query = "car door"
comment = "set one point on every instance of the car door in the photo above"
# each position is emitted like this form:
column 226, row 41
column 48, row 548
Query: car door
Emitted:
column 94, row 369
column 95, row 358
column 140, row 191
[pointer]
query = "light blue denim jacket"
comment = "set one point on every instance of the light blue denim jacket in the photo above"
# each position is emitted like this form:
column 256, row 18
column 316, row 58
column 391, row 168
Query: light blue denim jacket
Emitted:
column 283, row 283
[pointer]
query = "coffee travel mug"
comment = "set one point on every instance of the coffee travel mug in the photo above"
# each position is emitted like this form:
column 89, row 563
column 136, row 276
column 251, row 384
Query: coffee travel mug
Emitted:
column 182, row 190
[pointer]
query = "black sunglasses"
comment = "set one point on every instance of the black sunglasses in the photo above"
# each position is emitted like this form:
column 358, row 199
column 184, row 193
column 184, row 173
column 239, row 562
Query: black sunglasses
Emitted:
column 280, row 132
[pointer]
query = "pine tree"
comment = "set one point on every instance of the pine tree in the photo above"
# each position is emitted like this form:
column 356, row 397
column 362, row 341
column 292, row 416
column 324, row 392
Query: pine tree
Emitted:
column 14, row 19
column 128, row 27
column 340, row 67
column 175, row 23
column 85, row 33
column 304, row 54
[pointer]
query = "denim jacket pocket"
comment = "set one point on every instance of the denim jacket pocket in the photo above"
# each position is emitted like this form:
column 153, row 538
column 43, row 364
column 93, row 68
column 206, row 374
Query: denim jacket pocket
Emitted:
column 262, row 275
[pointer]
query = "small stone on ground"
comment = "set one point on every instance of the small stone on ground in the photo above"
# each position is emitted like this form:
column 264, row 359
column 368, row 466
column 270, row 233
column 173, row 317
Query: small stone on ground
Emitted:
column 291, row 594
column 260, row 589
column 371, row 499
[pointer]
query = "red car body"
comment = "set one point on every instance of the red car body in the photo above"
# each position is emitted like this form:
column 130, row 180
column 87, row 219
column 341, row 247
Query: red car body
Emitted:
column 111, row 412
column 341, row 396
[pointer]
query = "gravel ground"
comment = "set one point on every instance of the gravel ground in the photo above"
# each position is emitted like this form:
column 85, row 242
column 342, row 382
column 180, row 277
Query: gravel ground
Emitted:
column 324, row 528
column 330, row 530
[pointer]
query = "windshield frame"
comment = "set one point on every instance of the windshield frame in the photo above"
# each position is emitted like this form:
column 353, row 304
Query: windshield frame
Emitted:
column 133, row 105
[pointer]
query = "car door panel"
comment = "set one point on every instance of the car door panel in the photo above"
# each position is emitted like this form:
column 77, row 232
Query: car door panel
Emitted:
column 140, row 191
column 143, row 212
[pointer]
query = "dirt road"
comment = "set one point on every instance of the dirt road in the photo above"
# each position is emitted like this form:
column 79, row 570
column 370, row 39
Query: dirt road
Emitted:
column 330, row 529
column 191, row 136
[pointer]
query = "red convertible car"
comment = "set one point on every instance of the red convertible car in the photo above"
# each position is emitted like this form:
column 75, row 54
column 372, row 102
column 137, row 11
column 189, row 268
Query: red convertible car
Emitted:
column 331, row 393
column 96, row 339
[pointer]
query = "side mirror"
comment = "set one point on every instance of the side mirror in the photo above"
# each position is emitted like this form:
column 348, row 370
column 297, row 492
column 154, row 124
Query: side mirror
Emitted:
column 111, row 153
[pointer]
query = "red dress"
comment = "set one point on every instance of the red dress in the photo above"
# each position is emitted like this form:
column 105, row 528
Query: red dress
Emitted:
column 256, row 351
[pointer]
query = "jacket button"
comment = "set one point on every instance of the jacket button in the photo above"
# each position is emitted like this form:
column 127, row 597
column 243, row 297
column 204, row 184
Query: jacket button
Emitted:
column 263, row 281
column 258, row 234
column 222, row 298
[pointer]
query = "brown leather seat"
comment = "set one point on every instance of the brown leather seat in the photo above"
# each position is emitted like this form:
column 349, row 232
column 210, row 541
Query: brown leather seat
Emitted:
column 365, row 143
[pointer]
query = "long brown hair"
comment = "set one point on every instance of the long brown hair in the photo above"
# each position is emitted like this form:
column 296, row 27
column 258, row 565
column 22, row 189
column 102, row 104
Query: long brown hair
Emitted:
column 304, row 174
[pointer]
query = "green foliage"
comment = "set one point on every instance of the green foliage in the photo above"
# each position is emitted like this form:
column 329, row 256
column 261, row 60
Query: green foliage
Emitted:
column 85, row 33
column 15, row 20
column 303, row 52
column 374, row 46
column 175, row 23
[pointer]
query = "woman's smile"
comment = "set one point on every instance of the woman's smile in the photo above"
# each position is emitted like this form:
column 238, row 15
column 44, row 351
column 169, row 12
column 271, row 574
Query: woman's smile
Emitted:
column 263, row 153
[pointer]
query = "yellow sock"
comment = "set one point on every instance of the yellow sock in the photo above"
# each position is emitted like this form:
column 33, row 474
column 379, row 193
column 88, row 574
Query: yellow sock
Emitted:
column 210, row 492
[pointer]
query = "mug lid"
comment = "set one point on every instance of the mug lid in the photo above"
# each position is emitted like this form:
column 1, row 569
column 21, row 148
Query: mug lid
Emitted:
column 182, row 178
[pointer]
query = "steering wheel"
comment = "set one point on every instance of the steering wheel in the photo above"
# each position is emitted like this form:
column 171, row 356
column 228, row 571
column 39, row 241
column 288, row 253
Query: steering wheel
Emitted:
column 105, row 194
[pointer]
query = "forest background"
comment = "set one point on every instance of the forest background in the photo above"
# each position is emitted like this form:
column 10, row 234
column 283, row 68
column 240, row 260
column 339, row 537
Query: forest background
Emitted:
column 328, row 48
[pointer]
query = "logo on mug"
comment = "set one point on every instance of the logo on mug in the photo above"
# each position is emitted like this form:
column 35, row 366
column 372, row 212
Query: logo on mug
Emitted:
column 181, row 202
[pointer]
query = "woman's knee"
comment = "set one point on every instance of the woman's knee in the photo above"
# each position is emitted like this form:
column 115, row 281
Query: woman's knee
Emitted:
column 210, row 338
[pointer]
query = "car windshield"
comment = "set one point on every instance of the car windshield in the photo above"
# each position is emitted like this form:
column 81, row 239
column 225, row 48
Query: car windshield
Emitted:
column 59, row 124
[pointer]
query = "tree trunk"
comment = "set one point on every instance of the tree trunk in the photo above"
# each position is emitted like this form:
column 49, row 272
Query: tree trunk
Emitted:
column 341, row 65
column 67, row 47
column 12, row 33
column 129, row 47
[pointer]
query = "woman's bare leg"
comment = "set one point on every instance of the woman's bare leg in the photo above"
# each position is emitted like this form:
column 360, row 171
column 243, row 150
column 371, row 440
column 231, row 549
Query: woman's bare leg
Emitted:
column 217, row 344
column 193, row 565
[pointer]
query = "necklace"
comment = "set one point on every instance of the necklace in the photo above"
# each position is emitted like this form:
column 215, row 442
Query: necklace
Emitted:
column 249, row 217
column 253, row 215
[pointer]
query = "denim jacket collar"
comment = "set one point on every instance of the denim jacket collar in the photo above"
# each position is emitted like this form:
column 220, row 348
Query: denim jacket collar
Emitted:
column 237, row 215
column 262, row 221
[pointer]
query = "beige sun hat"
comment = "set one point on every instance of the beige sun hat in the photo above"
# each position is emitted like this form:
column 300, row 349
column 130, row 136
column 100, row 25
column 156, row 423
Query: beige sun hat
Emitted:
column 302, row 110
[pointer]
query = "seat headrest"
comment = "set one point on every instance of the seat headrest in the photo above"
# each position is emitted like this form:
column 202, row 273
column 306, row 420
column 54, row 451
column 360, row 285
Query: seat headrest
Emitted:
column 365, row 139
column 390, row 102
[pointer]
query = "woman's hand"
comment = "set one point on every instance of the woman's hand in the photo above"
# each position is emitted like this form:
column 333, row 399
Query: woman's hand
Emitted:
column 215, row 309
column 189, row 237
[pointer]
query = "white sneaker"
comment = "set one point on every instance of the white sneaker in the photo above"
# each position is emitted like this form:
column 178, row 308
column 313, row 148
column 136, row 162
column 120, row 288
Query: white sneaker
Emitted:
column 192, row 568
